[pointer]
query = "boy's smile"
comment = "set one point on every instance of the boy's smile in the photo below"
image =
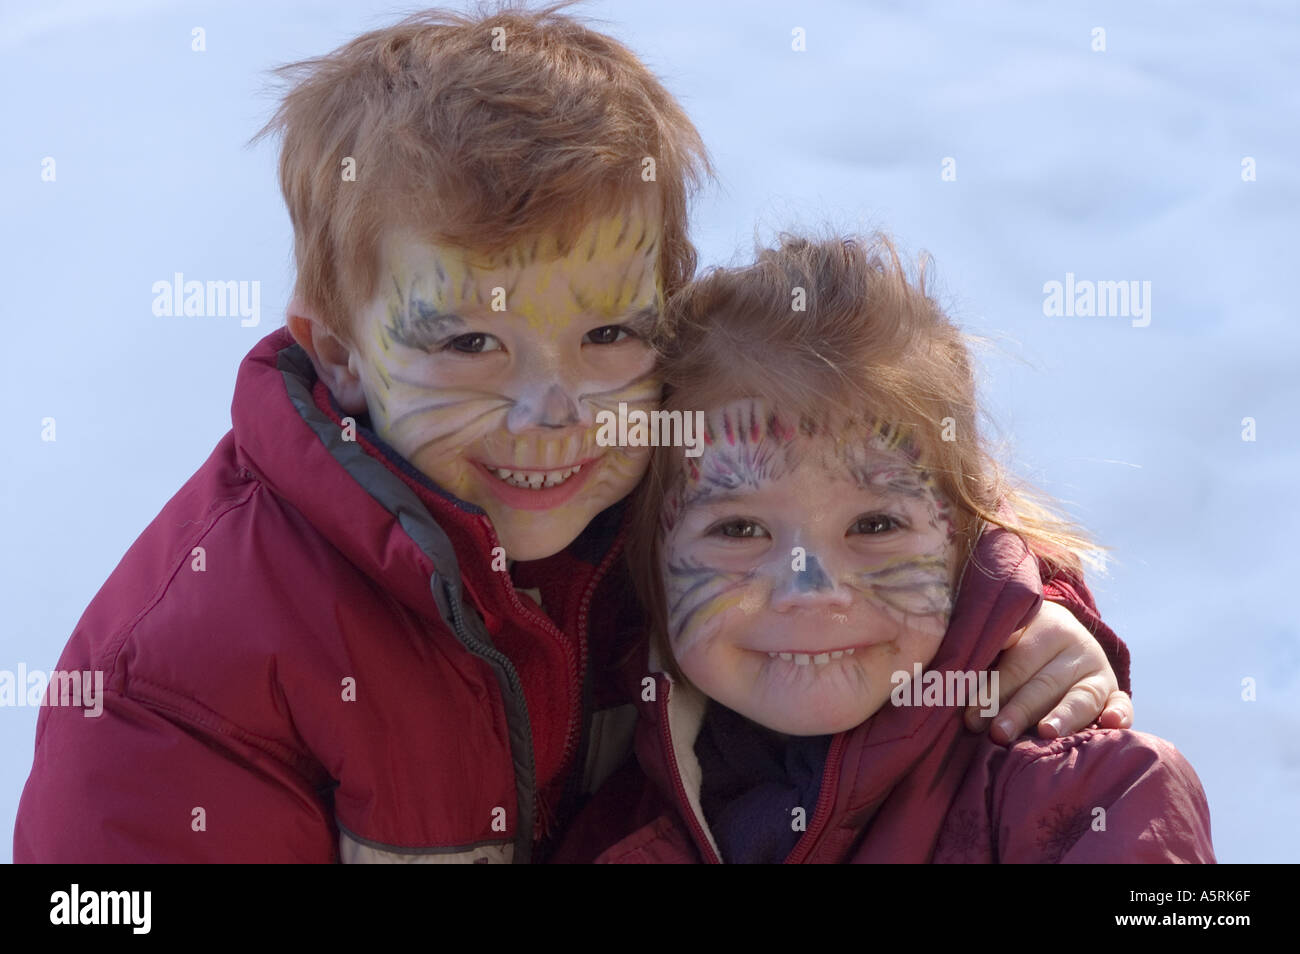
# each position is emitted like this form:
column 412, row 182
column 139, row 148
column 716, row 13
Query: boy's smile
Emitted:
column 802, row 568
column 486, row 374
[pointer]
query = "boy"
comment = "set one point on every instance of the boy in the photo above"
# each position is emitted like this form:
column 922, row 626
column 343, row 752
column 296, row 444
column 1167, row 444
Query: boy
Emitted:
column 382, row 621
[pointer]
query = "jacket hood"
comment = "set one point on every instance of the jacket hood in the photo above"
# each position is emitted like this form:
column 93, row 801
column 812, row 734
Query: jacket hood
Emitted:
column 999, row 592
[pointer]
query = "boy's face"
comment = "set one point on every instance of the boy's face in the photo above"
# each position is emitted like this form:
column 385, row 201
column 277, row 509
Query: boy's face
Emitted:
column 487, row 375
column 803, row 569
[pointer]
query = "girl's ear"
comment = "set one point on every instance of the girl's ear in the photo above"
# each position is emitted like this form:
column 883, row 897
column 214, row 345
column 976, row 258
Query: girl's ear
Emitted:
column 335, row 361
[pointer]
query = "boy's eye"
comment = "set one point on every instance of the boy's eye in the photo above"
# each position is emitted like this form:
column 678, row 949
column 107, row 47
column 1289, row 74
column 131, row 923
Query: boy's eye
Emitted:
column 607, row 334
column 476, row 342
column 875, row 523
column 740, row 528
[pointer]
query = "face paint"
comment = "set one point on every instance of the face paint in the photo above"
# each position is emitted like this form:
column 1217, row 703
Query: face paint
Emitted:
column 803, row 565
column 487, row 374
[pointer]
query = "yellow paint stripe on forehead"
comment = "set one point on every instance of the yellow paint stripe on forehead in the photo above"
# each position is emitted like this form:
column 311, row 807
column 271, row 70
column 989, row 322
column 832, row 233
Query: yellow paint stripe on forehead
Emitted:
column 638, row 286
column 891, row 436
column 460, row 274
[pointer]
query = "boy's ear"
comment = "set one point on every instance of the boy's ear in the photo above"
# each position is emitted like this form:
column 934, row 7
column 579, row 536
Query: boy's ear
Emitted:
column 336, row 361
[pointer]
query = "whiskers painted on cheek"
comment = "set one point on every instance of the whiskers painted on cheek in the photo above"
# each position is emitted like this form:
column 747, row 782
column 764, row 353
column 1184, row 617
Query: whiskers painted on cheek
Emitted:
column 696, row 595
column 912, row 586
column 643, row 389
column 468, row 426
column 443, row 406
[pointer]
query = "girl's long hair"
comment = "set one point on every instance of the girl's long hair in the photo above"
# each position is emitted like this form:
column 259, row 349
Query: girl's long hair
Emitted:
column 822, row 325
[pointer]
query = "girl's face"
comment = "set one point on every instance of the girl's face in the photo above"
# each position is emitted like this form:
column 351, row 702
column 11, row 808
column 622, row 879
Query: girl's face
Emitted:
column 803, row 566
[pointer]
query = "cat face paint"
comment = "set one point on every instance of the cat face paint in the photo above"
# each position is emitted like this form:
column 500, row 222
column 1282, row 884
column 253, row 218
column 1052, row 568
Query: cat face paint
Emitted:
column 487, row 375
column 803, row 565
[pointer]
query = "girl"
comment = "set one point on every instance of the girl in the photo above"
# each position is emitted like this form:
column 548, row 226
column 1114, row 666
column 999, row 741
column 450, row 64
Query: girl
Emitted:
column 831, row 581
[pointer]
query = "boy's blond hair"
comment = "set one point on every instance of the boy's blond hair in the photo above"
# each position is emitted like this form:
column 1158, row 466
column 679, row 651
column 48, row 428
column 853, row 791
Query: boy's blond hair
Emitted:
column 474, row 145
column 868, row 337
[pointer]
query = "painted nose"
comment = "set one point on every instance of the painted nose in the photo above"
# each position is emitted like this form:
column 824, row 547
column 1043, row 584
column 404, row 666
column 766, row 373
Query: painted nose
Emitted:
column 553, row 408
column 808, row 588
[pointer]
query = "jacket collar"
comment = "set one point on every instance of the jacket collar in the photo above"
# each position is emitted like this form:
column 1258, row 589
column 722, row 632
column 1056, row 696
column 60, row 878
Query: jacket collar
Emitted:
column 388, row 518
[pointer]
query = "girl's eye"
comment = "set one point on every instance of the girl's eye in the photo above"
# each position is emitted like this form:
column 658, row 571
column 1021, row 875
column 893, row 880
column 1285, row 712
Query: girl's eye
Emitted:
column 739, row 528
column 476, row 342
column 608, row 334
column 875, row 523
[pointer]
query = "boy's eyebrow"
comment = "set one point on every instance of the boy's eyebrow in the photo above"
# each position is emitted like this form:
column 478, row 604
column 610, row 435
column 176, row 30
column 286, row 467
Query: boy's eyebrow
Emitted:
column 437, row 322
column 642, row 321
column 417, row 323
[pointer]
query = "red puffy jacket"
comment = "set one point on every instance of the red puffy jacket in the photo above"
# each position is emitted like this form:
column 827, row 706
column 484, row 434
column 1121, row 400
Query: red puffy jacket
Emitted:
column 308, row 656
column 911, row 784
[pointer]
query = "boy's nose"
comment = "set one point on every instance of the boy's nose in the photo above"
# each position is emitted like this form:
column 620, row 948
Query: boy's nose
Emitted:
column 552, row 407
column 809, row 587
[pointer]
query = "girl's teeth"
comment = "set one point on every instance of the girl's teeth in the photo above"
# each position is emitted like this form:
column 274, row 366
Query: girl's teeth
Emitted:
column 535, row 479
column 803, row 659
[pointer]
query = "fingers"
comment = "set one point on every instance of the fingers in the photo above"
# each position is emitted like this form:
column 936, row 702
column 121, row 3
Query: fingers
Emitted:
column 1089, row 699
column 1040, row 696
column 1067, row 694
column 1014, row 638
column 1078, row 710
column 1118, row 713
column 1027, row 653
column 1022, row 702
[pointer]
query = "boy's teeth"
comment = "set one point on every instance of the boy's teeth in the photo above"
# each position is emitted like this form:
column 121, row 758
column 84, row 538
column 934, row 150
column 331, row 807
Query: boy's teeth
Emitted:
column 535, row 479
column 803, row 659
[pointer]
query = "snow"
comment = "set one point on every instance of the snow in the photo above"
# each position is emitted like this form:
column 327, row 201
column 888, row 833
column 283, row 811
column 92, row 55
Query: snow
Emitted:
column 1122, row 165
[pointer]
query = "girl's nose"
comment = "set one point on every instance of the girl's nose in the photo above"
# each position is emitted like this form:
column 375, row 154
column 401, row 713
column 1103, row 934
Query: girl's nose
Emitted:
column 808, row 587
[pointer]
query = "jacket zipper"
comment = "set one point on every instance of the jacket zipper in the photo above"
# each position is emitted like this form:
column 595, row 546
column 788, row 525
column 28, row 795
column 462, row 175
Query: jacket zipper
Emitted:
column 825, row 801
column 516, row 689
column 576, row 667
column 697, row 830
column 575, row 730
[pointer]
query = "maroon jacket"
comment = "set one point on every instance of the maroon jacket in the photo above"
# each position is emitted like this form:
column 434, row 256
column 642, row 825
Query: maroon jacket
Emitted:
column 345, row 678
column 911, row 784
column 308, row 657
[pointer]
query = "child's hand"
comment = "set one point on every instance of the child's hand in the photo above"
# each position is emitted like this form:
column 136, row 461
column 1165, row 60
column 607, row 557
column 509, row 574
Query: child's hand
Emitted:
column 1053, row 667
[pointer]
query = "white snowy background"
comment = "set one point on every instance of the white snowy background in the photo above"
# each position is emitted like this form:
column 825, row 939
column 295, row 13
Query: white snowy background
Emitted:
column 1115, row 165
